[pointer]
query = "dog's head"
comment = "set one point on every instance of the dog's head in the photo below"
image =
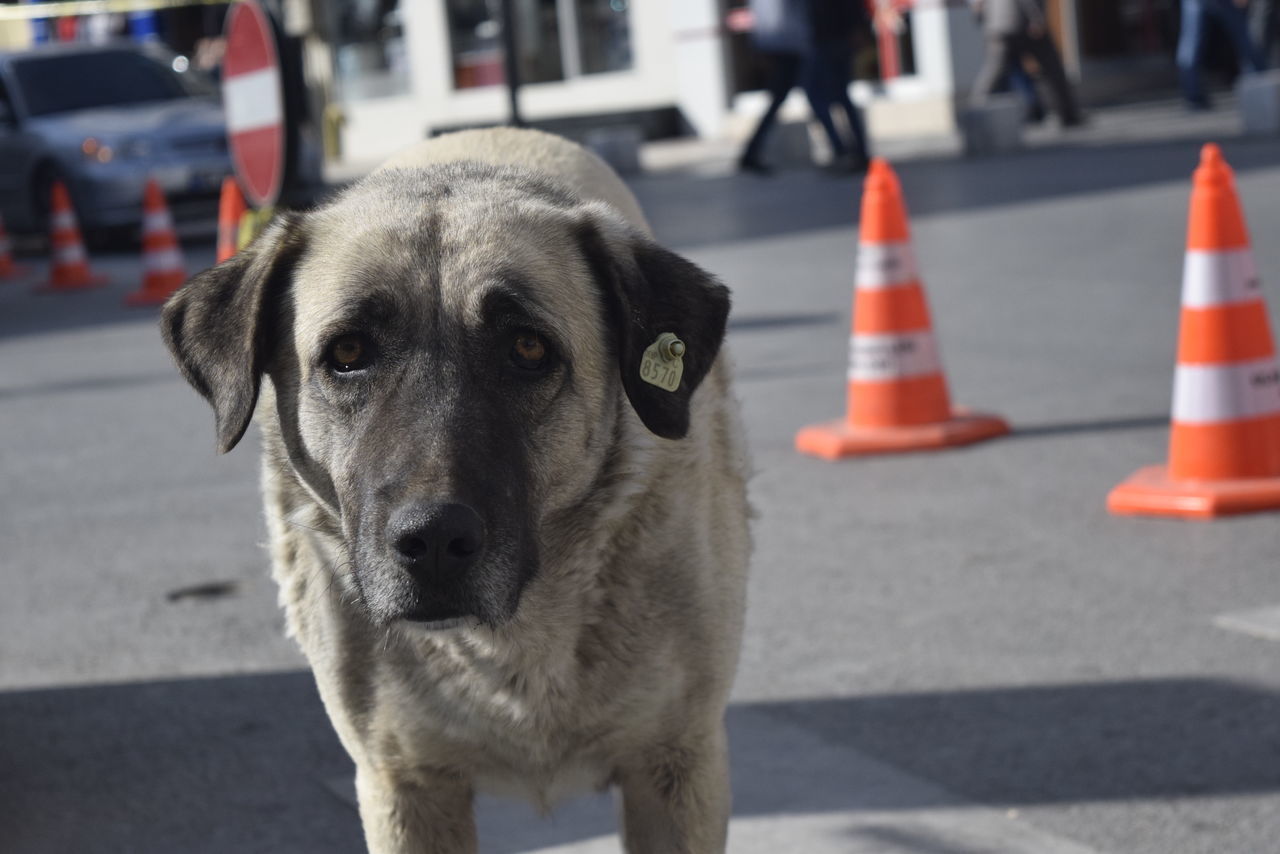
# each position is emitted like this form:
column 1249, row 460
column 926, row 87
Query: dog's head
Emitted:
column 446, row 346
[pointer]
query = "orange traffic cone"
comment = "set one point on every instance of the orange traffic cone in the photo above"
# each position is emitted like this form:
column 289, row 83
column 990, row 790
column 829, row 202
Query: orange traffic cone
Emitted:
column 70, row 271
column 1224, row 443
column 898, row 397
column 163, row 269
column 8, row 269
column 231, row 207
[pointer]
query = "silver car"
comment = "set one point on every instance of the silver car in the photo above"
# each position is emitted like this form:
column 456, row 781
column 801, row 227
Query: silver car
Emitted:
column 103, row 118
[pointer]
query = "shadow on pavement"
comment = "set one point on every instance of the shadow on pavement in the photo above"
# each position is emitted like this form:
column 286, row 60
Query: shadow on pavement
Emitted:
column 247, row 763
column 1099, row 425
column 688, row 212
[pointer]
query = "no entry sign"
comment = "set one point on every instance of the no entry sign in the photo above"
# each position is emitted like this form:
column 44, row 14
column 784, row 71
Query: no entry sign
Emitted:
column 253, row 99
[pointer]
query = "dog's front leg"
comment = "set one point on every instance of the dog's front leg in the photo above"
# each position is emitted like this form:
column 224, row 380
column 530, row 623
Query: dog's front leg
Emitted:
column 426, row 812
column 675, row 798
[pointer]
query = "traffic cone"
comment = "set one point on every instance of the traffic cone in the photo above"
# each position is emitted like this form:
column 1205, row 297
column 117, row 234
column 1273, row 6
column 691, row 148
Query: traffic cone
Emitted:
column 1224, row 442
column 897, row 399
column 231, row 207
column 162, row 265
column 8, row 269
column 70, row 270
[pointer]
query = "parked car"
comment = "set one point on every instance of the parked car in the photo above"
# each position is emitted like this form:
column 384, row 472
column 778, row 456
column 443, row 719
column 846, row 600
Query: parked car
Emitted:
column 102, row 118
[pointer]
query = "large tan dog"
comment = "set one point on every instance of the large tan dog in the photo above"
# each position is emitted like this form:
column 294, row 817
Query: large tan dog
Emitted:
column 505, row 484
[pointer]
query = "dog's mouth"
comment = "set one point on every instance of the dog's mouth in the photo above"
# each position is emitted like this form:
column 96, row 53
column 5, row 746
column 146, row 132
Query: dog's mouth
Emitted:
column 436, row 615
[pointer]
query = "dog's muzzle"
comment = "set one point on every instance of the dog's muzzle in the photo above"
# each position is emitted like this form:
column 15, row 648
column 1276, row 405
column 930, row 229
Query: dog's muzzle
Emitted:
column 436, row 544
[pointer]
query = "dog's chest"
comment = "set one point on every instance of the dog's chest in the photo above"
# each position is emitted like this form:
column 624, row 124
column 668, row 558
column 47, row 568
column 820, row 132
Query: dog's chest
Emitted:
column 513, row 725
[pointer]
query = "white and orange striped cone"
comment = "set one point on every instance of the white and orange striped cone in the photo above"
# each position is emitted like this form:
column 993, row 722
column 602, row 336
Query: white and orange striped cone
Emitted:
column 162, row 264
column 1224, row 442
column 231, row 209
column 897, row 392
column 8, row 269
column 70, row 268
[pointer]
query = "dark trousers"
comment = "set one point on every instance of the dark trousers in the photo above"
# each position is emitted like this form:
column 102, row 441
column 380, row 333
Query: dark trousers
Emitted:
column 783, row 77
column 825, row 82
column 1004, row 49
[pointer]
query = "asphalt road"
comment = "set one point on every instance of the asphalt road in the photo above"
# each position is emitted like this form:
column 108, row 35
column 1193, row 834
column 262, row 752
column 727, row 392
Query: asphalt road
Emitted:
column 946, row 653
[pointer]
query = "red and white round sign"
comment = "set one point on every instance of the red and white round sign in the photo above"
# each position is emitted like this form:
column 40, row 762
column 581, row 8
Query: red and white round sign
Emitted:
column 253, row 99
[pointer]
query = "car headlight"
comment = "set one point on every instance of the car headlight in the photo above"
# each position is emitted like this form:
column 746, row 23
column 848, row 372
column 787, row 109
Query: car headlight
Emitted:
column 95, row 149
column 102, row 152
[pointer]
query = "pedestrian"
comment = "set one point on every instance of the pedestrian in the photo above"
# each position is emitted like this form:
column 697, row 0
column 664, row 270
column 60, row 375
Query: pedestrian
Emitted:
column 1018, row 79
column 1264, row 27
column 1015, row 29
column 809, row 43
column 1195, row 13
column 836, row 25
column 780, row 31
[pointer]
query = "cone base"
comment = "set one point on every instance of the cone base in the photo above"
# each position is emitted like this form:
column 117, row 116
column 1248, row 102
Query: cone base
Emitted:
column 834, row 440
column 1151, row 492
column 17, row 271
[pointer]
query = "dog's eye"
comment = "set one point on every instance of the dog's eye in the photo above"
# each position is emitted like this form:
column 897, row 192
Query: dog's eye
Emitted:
column 349, row 353
column 529, row 351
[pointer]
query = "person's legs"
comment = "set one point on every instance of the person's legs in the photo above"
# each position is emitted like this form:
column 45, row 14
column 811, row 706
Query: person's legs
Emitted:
column 1236, row 23
column 816, row 79
column 839, row 69
column 1190, row 44
column 999, row 55
column 782, row 79
column 1046, row 55
column 1020, row 81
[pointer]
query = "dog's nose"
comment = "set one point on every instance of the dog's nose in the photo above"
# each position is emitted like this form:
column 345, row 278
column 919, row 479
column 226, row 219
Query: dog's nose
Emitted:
column 435, row 541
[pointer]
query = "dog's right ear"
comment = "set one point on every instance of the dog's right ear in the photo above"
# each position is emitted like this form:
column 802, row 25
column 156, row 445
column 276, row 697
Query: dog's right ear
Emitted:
column 218, row 325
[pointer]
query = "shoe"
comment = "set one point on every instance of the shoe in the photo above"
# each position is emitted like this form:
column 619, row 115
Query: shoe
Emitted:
column 755, row 167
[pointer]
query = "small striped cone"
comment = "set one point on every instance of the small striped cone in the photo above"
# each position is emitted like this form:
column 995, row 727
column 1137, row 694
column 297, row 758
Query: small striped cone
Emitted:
column 897, row 395
column 162, row 265
column 231, row 207
column 8, row 269
column 70, row 270
column 1224, row 442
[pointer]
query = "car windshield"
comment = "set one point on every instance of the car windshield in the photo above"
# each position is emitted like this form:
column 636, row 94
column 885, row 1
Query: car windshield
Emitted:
column 84, row 81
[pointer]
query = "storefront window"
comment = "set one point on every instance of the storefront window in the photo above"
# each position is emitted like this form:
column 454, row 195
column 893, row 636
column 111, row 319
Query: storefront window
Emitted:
column 604, row 35
column 555, row 39
column 370, row 54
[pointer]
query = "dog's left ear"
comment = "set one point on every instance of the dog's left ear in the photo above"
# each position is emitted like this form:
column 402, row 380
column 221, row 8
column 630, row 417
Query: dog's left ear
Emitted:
column 218, row 325
column 649, row 291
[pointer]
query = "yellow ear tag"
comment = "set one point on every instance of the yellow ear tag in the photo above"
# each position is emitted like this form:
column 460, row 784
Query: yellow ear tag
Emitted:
column 663, row 362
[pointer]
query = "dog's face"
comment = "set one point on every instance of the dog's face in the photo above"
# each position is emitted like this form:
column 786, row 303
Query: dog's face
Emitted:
column 446, row 346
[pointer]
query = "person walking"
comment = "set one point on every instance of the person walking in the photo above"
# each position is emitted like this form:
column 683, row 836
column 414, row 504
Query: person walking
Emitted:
column 780, row 31
column 1015, row 29
column 828, row 71
column 1195, row 14
column 809, row 43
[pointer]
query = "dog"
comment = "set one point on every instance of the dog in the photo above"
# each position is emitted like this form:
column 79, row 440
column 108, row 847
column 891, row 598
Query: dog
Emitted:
column 505, row 484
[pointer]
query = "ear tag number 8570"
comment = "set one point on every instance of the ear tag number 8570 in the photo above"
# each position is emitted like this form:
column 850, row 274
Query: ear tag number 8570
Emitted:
column 663, row 362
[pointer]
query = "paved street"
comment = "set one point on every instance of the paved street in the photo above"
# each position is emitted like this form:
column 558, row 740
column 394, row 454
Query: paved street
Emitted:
column 946, row 653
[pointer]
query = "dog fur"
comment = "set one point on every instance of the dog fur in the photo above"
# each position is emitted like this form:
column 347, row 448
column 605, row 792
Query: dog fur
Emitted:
column 593, row 641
